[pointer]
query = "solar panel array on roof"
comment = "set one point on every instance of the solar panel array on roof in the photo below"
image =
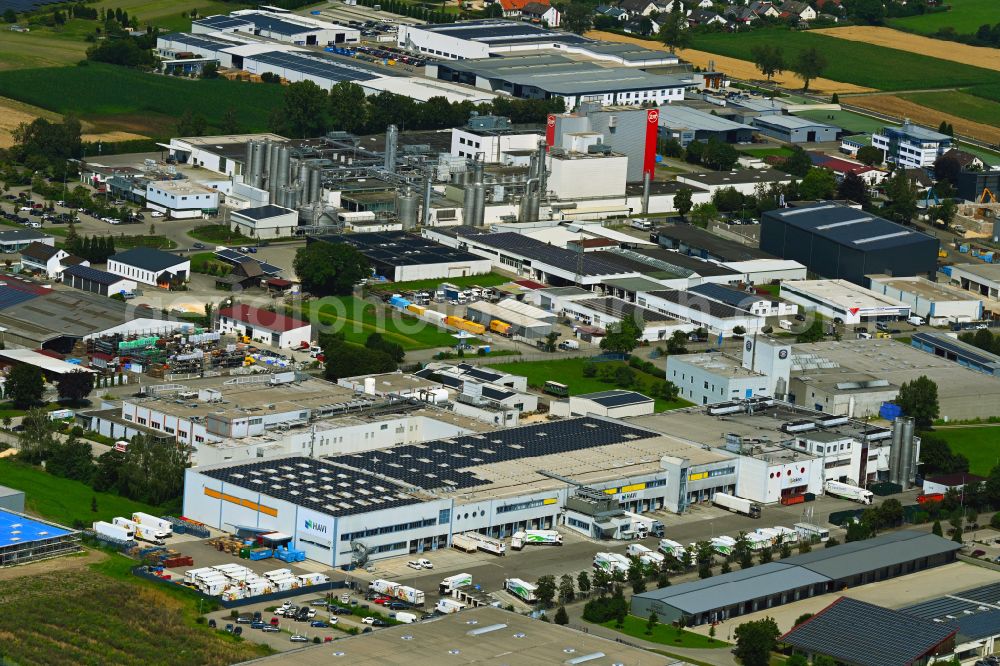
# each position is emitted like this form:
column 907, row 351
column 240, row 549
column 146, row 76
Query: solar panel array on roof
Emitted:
column 623, row 309
column 92, row 274
column 616, row 398
column 315, row 484
column 206, row 42
column 496, row 393
column 450, row 462
column 233, row 257
column 400, row 248
column 315, row 65
column 484, row 374
column 12, row 293
column 864, row 634
column 699, row 303
column 277, row 25
column 504, row 32
column 557, row 257
column 944, row 343
column 223, row 22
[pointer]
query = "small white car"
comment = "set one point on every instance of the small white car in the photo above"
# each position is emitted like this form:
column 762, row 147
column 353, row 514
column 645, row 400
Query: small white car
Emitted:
column 426, row 564
column 156, row 213
column 413, row 564
column 334, row 619
column 368, row 620
column 311, row 614
column 298, row 638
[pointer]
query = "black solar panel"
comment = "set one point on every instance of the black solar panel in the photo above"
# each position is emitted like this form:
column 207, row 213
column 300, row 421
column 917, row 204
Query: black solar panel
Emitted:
column 699, row 303
column 617, row 398
column 222, row 22
column 943, row 343
column 233, row 257
column 450, row 462
column 400, row 249
column 316, row 484
column 315, row 65
column 558, row 257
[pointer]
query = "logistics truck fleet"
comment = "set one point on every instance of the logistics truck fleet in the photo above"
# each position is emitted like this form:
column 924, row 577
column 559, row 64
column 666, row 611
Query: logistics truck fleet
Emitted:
column 397, row 591
column 644, row 527
column 141, row 532
column 737, row 504
column 485, row 543
column 673, row 549
column 518, row 540
column 645, row 555
column 452, row 583
column 152, row 521
column 612, row 562
column 113, row 531
column 521, row 589
column 464, row 543
column 847, row 491
column 446, row 606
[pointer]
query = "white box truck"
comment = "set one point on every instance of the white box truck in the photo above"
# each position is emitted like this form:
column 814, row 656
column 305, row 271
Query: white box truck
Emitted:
column 112, row 531
column 611, row 563
column 160, row 524
column 446, row 606
column 644, row 526
column 452, row 583
column 535, row 538
column 672, row 548
column 487, row 544
column 809, row 531
column 758, row 542
column 141, row 532
column 645, row 555
column 915, row 320
column 723, row 545
column 405, row 618
column 736, row 504
column 846, row 491
column 521, row 589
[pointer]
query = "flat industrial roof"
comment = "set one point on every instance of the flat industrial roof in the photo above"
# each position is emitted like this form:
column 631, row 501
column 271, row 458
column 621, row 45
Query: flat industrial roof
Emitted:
column 531, row 248
column 263, row 212
column 148, row 258
column 221, row 22
column 616, row 307
column 848, row 226
column 700, row 239
column 682, row 117
column 16, row 529
column 740, row 177
column 700, row 303
column 615, row 398
column 961, row 350
column 842, row 293
column 728, row 295
column 503, row 32
column 925, row 289
column 318, row 65
column 207, row 42
column 398, row 248
column 788, row 122
column 483, row 635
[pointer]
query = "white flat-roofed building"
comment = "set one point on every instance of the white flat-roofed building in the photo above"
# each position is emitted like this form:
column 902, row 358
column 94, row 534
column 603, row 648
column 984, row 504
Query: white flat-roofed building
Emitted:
column 763, row 371
column 268, row 221
column 422, row 89
column 981, row 279
column 181, row 199
column 279, row 26
column 911, row 146
column 937, row 303
column 492, row 139
column 717, row 318
column 744, row 180
column 766, row 271
column 843, row 301
column 616, row 403
column 150, row 266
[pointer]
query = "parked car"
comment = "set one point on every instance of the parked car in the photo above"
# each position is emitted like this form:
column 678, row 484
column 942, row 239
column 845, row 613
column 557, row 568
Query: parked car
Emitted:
column 318, row 602
column 425, row 563
column 381, row 601
column 212, row 624
column 978, row 553
column 229, row 628
column 274, row 622
column 257, row 616
column 397, row 605
column 270, row 627
column 368, row 620
column 414, row 564
column 319, row 623
column 238, row 631
column 156, row 213
column 199, row 246
column 379, row 623
column 244, row 619
column 299, row 638
column 257, row 625
column 341, row 610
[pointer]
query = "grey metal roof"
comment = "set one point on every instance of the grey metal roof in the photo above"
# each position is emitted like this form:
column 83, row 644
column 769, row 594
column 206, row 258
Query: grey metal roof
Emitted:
column 278, row 25
column 616, row 307
column 963, row 351
column 93, row 274
column 398, row 248
column 684, row 264
column 735, row 587
column 147, row 258
column 697, row 238
column 788, row 122
column 728, row 295
column 207, row 42
column 561, row 258
column 848, row 226
column 263, row 212
column 616, row 398
column 862, row 634
column 637, row 284
column 857, row 557
column 317, row 65
column 916, row 132
column 682, row 117
column 503, row 32
column 700, row 303
column 15, row 235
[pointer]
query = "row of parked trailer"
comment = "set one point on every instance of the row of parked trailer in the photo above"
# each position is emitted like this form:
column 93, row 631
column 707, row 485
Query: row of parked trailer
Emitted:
column 140, row 527
column 234, row 581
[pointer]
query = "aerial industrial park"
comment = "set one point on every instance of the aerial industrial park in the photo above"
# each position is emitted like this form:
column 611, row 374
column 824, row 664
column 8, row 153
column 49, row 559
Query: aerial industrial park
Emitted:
column 500, row 332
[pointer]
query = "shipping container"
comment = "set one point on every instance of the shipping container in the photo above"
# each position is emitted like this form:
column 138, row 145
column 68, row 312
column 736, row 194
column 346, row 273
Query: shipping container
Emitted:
column 501, row 327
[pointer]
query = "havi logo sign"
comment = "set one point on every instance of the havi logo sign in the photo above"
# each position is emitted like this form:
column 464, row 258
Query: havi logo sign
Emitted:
column 315, row 526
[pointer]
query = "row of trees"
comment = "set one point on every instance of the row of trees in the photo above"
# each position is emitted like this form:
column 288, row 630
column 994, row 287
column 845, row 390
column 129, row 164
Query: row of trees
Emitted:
column 346, row 359
column 95, row 249
column 806, row 64
column 983, row 338
column 308, row 110
column 25, row 386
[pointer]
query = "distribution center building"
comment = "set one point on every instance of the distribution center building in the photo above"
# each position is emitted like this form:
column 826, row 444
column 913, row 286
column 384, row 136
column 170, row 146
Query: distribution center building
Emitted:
column 837, row 241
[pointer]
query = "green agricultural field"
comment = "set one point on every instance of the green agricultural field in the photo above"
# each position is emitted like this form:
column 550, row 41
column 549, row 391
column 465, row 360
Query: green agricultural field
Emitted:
column 852, row 62
column 569, row 371
column 965, row 17
column 135, row 101
column 63, row 500
column 980, row 444
column 32, row 50
column 488, row 280
column 961, row 104
column 986, row 92
column 104, row 615
column 852, row 122
column 357, row 319
column 767, row 152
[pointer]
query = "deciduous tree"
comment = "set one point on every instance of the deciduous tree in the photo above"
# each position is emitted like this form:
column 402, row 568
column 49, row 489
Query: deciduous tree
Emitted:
column 809, row 64
column 330, row 268
column 24, row 386
column 918, row 398
column 755, row 641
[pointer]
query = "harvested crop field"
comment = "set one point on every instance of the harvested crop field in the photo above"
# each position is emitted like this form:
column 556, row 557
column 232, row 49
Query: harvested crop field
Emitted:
column 13, row 113
column 977, row 56
column 899, row 107
column 736, row 68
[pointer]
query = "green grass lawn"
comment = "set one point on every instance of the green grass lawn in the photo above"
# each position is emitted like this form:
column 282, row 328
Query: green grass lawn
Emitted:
column 217, row 233
column 7, row 409
column 569, row 371
column 488, row 280
column 33, row 49
column 767, row 152
column 665, row 634
column 961, row 104
column 855, row 62
column 980, row 444
column 358, row 319
column 63, row 500
column 965, row 16
column 986, row 92
column 119, row 98
column 854, row 123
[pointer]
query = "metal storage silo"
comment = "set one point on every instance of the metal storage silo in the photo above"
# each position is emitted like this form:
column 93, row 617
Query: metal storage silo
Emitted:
column 247, row 162
column 895, row 450
column 315, row 184
column 479, row 206
column 907, row 459
column 469, row 203
column 283, row 166
column 391, row 141
column 406, row 207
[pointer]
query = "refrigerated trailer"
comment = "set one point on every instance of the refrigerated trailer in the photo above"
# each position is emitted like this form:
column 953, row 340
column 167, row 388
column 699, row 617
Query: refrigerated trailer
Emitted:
column 846, row 491
column 452, row 583
column 672, row 548
column 113, row 531
column 485, row 543
column 611, row 562
column 518, row 540
column 446, row 606
column 397, row 591
column 737, row 504
column 521, row 589
column 160, row 524
column 644, row 526
column 464, row 543
column 645, row 555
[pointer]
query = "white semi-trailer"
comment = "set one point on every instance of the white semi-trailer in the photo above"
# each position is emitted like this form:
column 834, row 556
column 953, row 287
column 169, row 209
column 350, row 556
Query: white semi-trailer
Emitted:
column 737, row 504
column 645, row 555
column 113, row 531
column 487, row 544
column 672, row 548
column 612, row 562
column 846, row 491
column 521, row 589
column 519, row 540
column 452, row 583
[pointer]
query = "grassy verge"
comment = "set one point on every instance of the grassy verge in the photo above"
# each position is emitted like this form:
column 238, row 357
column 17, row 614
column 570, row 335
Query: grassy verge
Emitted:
column 156, row 242
column 981, row 445
column 569, row 371
column 767, row 152
column 488, row 280
column 7, row 409
column 665, row 634
column 217, row 233
column 358, row 319
column 206, row 262
column 961, row 104
column 965, row 16
column 856, row 62
column 63, row 500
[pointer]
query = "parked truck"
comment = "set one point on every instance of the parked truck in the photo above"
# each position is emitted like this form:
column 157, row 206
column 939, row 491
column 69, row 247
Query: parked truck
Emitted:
column 452, row 583
column 643, row 526
column 397, row 591
column 113, row 531
column 464, row 543
column 405, row 618
column 673, row 549
column 446, row 606
column 488, row 544
column 758, row 542
column 535, row 538
column 140, row 531
column 645, row 555
column 737, row 504
column 723, row 545
column 521, row 589
column 500, row 327
column 847, row 491
column 611, row 562
column 160, row 524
